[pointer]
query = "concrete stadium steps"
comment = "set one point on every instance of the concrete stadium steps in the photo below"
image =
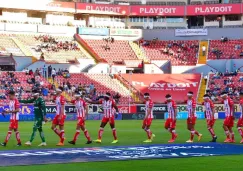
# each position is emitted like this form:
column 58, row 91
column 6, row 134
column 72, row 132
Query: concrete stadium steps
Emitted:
column 138, row 51
column 202, row 90
column 203, row 59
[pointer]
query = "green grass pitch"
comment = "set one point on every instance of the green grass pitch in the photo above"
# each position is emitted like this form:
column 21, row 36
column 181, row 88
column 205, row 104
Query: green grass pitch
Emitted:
column 129, row 133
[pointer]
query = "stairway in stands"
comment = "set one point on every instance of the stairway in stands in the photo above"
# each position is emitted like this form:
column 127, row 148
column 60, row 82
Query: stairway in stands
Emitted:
column 202, row 90
column 138, row 51
column 203, row 59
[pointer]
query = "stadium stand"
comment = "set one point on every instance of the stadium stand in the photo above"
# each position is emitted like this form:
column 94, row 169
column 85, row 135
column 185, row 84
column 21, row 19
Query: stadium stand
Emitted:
column 179, row 52
column 116, row 51
column 7, row 46
column 230, row 49
column 225, row 82
column 60, row 49
column 102, row 83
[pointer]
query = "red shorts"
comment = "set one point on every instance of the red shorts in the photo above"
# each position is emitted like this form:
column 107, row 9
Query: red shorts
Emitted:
column 14, row 124
column 147, row 122
column 192, row 120
column 111, row 120
column 81, row 121
column 170, row 123
column 61, row 122
column 240, row 122
column 211, row 122
column 229, row 121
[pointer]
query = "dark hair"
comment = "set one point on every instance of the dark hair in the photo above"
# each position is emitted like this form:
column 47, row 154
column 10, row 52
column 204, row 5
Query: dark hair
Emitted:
column 61, row 88
column 190, row 92
column 167, row 96
column 206, row 95
column 11, row 93
column 108, row 94
column 223, row 93
column 146, row 94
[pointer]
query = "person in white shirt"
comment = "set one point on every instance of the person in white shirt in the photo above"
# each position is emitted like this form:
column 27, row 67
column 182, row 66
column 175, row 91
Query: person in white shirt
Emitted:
column 204, row 50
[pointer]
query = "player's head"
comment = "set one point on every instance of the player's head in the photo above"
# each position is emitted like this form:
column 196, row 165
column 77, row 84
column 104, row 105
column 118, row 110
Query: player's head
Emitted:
column 107, row 96
column 146, row 96
column 206, row 97
column 59, row 90
column 36, row 94
column 224, row 95
column 77, row 95
column 190, row 95
column 11, row 95
column 168, row 97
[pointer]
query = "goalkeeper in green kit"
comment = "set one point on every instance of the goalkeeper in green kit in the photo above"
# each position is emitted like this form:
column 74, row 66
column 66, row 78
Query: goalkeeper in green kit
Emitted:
column 40, row 116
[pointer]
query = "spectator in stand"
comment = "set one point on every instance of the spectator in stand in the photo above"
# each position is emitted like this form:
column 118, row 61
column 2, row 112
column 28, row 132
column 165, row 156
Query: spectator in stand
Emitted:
column 241, row 79
column 53, row 74
column 204, row 50
column 49, row 70
column 45, row 91
column 117, row 97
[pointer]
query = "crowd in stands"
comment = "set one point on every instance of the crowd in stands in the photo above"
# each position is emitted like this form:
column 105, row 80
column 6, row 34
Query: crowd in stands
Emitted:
column 51, row 44
column 230, row 82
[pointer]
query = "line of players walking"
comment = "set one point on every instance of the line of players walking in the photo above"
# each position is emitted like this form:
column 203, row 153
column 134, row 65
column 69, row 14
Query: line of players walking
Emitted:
column 111, row 111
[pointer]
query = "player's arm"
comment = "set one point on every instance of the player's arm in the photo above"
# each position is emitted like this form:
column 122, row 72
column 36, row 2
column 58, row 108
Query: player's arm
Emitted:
column 27, row 101
column 92, row 102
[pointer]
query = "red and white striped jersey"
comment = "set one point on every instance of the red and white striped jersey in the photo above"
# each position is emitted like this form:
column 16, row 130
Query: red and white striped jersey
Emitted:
column 80, row 107
column 149, row 105
column 13, row 105
column 59, row 100
column 209, row 109
column 228, row 107
column 241, row 110
column 171, row 109
column 191, row 104
column 108, row 107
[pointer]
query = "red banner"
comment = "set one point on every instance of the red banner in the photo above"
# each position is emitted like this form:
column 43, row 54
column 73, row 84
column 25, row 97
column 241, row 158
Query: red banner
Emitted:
column 125, row 109
column 158, row 85
column 157, row 10
column 217, row 9
column 102, row 9
column 39, row 5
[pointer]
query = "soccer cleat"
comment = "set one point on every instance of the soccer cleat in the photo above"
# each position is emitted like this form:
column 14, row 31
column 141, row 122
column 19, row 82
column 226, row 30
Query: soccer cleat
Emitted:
column 232, row 141
column 3, row 144
column 214, row 139
column 227, row 140
column 114, row 142
column 189, row 141
column 42, row 144
column 60, row 144
column 71, row 142
column 241, row 142
column 28, row 143
column 171, row 141
column 89, row 142
column 153, row 136
column 19, row 144
column 147, row 141
column 199, row 137
column 97, row 141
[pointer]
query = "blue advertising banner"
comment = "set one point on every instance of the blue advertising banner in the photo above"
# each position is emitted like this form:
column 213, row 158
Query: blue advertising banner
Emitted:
column 24, row 109
column 184, row 115
column 94, row 31
column 70, row 117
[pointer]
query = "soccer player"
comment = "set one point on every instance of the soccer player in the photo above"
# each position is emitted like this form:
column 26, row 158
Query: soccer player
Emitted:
column 82, row 112
column 149, row 104
column 60, row 117
column 170, row 123
column 209, row 115
column 191, row 120
column 14, row 108
column 108, row 105
column 240, row 121
column 40, row 116
column 229, row 118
